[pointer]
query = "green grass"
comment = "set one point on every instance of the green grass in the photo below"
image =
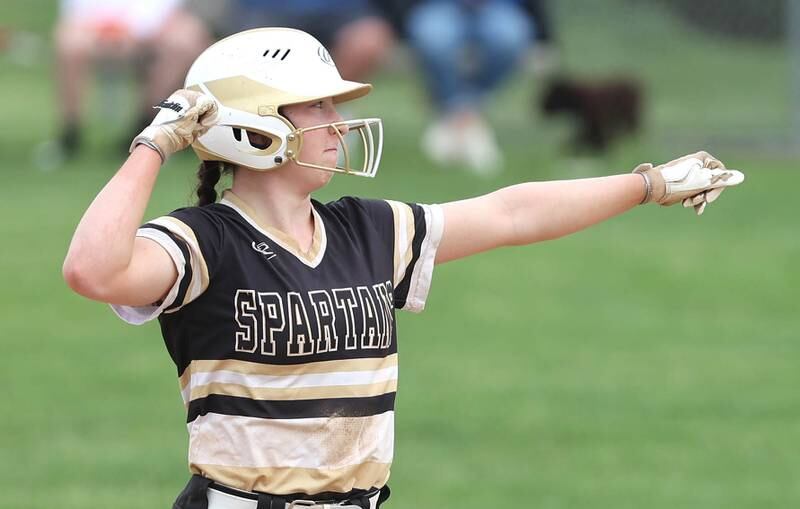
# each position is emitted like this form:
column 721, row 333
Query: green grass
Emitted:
column 651, row 361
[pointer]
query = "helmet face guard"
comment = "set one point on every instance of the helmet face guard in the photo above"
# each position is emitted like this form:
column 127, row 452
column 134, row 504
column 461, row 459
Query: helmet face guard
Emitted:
column 360, row 147
column 250, row 86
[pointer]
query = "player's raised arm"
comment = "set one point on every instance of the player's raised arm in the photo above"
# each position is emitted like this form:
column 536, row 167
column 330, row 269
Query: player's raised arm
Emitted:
column 106, row 261
column 537, row 211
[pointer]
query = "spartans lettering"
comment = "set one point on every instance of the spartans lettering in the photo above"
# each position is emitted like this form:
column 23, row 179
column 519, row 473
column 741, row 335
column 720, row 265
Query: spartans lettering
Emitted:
column 314, row 322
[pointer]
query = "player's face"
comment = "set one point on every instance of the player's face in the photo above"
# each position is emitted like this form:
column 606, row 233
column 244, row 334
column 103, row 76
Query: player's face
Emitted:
column 320, row 146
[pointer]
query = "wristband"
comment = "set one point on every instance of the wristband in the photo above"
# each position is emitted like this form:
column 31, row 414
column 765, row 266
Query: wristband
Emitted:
column 147, row 142
column 648, row 188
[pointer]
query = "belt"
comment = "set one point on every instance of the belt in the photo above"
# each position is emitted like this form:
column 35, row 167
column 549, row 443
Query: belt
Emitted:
column 225, row 497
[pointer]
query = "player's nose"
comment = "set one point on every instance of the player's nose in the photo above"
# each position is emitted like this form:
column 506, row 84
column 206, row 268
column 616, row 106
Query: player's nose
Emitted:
column 338, row 125
column 342, row 128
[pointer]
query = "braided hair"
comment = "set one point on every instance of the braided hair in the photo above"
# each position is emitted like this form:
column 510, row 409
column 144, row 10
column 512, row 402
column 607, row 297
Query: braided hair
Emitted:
column 208, row 175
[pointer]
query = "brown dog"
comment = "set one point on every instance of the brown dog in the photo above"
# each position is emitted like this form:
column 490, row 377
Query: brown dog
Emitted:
column 604, row 110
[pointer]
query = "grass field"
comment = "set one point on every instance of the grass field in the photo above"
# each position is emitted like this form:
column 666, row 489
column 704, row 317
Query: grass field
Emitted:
column 651, row 361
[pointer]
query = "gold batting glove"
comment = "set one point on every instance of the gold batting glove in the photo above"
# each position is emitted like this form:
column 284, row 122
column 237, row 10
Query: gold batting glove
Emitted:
column 182, row 118
column 694, row 180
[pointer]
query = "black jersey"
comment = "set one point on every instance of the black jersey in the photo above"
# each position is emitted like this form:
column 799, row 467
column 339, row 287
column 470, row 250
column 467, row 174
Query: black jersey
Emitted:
column 288, row 360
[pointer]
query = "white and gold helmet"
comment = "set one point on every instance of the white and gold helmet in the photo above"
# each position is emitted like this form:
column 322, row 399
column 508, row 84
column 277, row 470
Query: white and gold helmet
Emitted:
column 251, row 75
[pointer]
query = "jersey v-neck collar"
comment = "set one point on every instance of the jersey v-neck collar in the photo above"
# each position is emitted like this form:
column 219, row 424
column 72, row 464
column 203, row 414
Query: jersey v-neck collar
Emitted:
column 312, row 257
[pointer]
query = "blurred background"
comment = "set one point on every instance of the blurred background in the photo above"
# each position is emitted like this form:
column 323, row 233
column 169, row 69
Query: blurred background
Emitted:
column 651, row 361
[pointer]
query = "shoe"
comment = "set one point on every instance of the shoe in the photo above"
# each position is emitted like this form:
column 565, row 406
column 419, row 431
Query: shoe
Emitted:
column 53, row 154
column 70, row 140
column 440, row 143
column 480, row 151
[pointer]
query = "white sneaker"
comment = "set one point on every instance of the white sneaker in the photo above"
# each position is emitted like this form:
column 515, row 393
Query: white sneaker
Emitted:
column 440, row 143
column 479, row 148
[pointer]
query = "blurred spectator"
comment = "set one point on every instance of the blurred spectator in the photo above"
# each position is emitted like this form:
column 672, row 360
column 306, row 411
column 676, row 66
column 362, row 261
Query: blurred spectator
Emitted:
column 21, row 47
column 160, row 36
column 355, row 31
column 467, row 49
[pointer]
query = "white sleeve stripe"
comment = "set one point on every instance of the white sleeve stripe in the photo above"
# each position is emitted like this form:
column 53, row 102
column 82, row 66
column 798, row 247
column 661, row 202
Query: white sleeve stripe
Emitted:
column 199, row 281
column 178, row 228
column 403, row 238
column 423, row 270
column 138, row 315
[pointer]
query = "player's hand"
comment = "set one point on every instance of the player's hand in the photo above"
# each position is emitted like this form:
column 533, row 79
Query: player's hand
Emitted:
column 182, row 118
column 694, row 180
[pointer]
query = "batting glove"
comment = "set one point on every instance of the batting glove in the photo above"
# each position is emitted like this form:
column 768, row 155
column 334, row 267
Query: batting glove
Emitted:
column 694, row 180
column 182, row 118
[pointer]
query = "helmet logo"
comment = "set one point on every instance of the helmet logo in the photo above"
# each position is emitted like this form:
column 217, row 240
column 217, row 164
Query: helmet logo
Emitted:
column 325, row 56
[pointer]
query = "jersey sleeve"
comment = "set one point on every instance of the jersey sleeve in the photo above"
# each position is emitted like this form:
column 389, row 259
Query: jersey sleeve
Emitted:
column 417, row 231
column 193, row 239
column 412, row 233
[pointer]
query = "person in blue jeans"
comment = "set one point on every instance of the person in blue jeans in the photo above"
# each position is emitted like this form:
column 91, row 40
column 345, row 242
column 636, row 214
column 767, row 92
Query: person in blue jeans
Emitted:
column 467, row 48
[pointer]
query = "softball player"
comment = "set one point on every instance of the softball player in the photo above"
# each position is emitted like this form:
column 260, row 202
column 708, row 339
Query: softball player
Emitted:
column 278, row 310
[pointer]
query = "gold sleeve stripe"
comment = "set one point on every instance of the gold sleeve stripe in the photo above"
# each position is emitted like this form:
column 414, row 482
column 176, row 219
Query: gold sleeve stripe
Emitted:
column 178, row 259
column 403, row 238
column 191, row 241
column 256, row 368
column 199, row 281
column 351, row 391
column 285, row 480
column 423, row 270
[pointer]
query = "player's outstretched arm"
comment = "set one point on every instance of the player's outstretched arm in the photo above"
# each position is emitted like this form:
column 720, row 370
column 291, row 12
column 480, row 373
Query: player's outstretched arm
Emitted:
column 106, row 261
column 537, row 211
